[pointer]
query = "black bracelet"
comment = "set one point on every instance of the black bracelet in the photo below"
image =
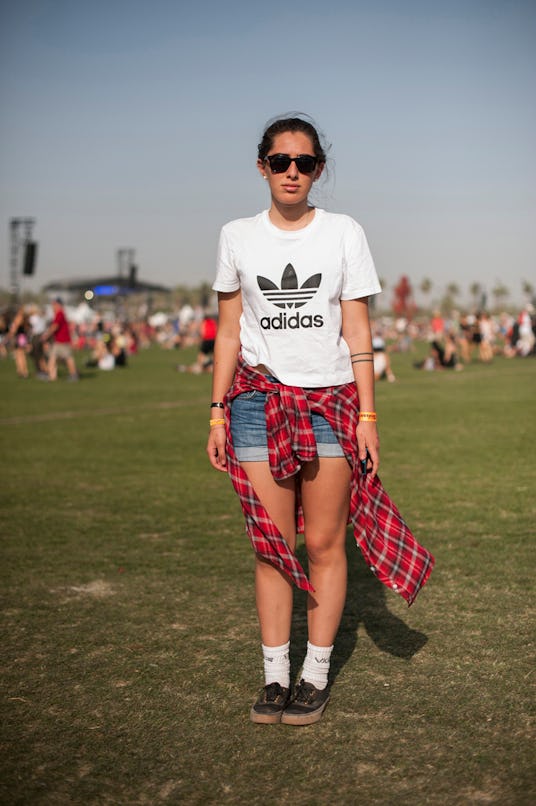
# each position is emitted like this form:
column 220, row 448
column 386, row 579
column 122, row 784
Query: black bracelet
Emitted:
column 217, row 406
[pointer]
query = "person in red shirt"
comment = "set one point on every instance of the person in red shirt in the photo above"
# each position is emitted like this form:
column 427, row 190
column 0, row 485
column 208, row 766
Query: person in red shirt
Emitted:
column 207, row 333
column 62, row 347
column 437, row 325
column 205, row 356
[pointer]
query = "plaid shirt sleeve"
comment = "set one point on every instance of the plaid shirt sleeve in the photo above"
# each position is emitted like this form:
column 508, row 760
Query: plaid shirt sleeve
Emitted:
column 386, row 542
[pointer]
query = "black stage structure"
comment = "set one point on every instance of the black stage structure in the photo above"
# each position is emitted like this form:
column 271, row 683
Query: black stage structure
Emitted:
column 102, row 287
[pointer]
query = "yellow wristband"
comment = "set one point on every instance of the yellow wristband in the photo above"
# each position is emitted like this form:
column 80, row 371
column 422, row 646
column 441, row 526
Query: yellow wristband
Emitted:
column 367, row 417
column 219, row 421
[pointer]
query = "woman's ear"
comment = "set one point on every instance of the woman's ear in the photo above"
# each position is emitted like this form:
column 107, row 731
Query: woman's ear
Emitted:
column 318, row 172
column 261, row 167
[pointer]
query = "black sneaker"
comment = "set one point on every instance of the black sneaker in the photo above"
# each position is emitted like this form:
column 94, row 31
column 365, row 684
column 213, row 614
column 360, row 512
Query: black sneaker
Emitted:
column 272, row 701
column 307, row 705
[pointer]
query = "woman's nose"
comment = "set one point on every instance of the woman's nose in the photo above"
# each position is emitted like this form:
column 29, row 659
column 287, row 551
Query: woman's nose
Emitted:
column 292, row 170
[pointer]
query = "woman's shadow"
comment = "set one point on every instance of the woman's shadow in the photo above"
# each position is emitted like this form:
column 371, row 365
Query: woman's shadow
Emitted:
column 365, row 604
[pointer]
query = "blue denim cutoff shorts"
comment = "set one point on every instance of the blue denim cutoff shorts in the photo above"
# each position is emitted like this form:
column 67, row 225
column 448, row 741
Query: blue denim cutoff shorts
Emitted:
column 248, row 429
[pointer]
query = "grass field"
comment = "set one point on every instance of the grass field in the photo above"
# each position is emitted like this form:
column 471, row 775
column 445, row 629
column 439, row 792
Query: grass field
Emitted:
column 130, row 645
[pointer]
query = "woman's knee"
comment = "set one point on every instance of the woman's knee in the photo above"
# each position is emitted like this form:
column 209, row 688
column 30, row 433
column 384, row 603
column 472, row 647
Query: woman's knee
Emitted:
column 270, row 579
column 325, row 549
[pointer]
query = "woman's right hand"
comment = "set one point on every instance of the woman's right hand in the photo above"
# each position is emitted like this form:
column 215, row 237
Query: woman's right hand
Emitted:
column 216, row 448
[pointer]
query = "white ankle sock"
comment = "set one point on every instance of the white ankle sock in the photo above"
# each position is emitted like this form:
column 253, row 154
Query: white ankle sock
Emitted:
column 277, row 664
column 316, row 665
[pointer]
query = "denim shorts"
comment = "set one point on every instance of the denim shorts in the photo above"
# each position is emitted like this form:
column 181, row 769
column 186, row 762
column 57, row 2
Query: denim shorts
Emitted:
column 248, row 430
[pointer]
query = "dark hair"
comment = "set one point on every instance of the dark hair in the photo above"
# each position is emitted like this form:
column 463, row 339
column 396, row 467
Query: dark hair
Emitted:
column 290, row 123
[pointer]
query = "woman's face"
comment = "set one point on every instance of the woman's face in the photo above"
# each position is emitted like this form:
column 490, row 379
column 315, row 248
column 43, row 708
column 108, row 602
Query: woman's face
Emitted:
column 290, row 187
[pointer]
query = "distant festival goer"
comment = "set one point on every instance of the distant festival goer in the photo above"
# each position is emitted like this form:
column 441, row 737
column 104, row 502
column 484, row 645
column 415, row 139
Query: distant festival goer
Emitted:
column 382, row 362
column 441, row 356
column 526, row 337
column 37, row 352
column 4, row 336
column 208, row 330
column 61, row 349
column 293, row 418
column 437, row 325
column 20, row 336
column 465, row 338
column 487, row 335
column 205, row 356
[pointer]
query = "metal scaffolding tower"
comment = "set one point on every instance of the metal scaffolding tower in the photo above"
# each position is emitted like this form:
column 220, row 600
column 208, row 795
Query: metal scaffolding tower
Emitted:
column 20, row 230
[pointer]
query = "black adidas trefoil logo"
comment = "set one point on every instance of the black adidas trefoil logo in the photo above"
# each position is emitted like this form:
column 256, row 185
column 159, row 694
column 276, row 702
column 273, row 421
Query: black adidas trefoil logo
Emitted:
column 289, row 295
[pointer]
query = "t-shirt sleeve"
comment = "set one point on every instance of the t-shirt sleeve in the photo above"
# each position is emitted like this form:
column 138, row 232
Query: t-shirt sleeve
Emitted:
column 226, row 274
column 360, row 277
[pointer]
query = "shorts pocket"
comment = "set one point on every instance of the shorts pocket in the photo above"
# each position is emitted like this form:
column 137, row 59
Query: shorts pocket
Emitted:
column 247, row 395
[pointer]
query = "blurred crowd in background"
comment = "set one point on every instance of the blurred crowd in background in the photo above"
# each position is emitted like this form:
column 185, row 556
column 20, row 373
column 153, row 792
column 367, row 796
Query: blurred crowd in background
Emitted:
column 41, row 339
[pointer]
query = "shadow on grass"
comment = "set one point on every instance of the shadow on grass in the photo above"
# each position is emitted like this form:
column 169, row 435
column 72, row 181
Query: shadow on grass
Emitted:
column 365, row 604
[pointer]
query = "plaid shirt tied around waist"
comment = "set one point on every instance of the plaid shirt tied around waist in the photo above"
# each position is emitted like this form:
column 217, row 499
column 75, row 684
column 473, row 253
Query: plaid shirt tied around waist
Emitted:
column 386, row 542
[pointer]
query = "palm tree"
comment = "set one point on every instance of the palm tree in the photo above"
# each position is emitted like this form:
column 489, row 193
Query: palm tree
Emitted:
column 500, row 292
column 453, row 291
column 528, row 290
column 204, row 294
column 475, row 289
column 425, row 289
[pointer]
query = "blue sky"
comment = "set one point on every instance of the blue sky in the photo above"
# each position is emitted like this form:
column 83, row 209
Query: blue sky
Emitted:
column 135, row 124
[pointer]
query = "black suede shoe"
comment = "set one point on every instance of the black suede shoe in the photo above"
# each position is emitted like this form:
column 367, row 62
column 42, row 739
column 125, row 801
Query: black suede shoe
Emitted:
column 272, row 701
column 307, row 705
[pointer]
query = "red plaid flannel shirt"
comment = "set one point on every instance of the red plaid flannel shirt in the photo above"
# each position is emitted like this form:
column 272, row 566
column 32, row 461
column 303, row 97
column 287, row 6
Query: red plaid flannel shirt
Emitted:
column 388, row 546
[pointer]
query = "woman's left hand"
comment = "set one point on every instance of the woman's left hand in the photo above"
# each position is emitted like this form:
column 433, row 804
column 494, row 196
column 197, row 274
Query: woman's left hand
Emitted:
column 368, row 442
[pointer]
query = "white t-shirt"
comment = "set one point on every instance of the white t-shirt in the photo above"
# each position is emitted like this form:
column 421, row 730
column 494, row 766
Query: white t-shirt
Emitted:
column 292, row 283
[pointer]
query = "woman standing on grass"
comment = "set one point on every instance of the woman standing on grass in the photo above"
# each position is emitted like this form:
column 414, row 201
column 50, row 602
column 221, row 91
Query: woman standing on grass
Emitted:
column 292, row 411
column 19, row 332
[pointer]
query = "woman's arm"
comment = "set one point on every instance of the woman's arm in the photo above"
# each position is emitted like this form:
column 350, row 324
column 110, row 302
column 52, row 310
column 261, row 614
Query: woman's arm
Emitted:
column 357, row 335
column 226, row 350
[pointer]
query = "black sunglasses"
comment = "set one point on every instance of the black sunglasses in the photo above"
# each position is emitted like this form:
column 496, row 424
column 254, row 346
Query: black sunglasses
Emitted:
column 279, row 163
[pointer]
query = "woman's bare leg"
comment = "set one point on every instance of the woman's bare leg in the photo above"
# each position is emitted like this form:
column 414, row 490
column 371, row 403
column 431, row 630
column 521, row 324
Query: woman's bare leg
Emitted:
column 52, row 366
column 325, row 494
column 273, row 588
column 20, row 362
